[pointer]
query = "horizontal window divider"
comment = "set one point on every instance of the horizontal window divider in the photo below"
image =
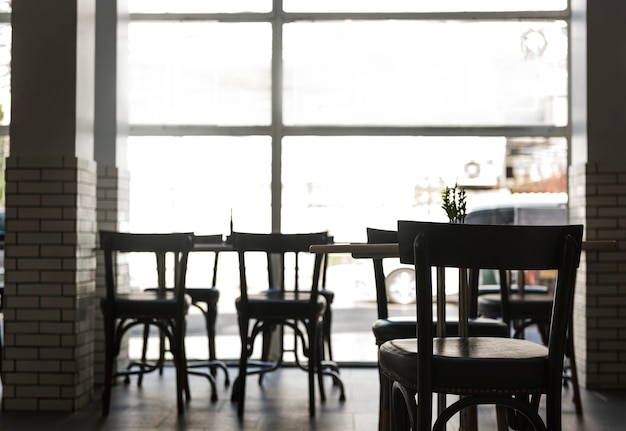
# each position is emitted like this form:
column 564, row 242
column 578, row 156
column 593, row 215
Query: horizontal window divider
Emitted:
column 430, row 16
column 199, row 130
column 221, row 17
column 547, row 131
column 329, row 16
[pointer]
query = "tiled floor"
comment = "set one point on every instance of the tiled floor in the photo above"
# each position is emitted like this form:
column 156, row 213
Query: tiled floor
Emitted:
column 280, row 404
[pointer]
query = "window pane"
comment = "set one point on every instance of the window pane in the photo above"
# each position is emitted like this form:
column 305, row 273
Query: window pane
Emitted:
column 200, row 73
column 193, row 183
column 421, row 6
column 439, row 73
column 537, row 165
column 346, row 184
column 5, row 74
column 198, row 6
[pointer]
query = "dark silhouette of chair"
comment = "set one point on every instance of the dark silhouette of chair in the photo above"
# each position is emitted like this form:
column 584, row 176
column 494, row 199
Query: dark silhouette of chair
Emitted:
column 279, row 307
column 204, row 299
column 164, row 308
column 329, row 295
column 481, row 370
column 398, row 327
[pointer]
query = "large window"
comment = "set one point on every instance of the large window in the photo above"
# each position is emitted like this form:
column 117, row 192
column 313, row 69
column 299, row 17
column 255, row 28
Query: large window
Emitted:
column 341, row 115
column 353, row 101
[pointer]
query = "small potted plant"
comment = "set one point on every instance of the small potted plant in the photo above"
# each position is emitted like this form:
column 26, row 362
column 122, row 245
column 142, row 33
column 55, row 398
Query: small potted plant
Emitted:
column 454, row 204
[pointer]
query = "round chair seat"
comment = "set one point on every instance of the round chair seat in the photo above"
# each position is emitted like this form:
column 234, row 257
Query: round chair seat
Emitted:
column 471, row 364
column 148, row 304
column 287, row 305
column 405, row 327
column 529, row 306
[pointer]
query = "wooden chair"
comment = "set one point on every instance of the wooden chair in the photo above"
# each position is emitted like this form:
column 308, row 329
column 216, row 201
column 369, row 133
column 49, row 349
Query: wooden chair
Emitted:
column 204, row 299
column 481, row 370
column 280, row 306
column 164, row 308
column 388, row 327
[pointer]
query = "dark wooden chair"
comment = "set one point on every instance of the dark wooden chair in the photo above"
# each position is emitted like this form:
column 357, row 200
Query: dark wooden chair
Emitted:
column 388, row 327
column 280, row 305
column 510, row 373
column 204, row 299
column 164, row 308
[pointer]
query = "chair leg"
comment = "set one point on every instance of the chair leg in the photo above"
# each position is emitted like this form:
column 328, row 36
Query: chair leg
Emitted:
column 327, row 347
column 108, row 365
column 144, row 354
column 210, row 321
column 384, row 403
column 400, row 404
column 501, row 418
column 108, row 381
column 317, row 357
column 182, row 384
column 239, row 386
column 315, row 365
column 569, row 352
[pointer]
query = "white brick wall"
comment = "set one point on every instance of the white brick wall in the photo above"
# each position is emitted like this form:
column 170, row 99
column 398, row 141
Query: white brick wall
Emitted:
column 597, row 199
column 49, row 283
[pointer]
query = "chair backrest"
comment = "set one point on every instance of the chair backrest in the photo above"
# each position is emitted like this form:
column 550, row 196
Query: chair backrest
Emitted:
column 211, row 239
column 381, row 236
column 275, row 246
column 160, row 244
column 428, row 245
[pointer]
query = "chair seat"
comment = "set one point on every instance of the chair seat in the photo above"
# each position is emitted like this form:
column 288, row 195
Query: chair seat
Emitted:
column 405, row 327
column 203, row 294
column 286, row 304
column 531, row 306
column 463, row 365
column 148, row 304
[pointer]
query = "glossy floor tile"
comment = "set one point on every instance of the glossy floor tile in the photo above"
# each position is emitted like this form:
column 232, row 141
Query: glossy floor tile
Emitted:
column 280, row 404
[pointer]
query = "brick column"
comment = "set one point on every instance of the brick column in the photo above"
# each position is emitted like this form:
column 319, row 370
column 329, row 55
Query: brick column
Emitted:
column 598, row 200
column 50, row 208
column 49, row 283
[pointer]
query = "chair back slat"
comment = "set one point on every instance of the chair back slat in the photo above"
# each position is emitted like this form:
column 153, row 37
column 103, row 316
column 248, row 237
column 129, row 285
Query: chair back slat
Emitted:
column 381, row 236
